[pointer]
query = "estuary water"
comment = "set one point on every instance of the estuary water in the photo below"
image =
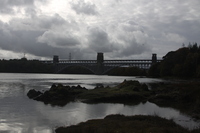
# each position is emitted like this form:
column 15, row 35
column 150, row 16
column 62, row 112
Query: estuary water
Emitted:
column 19, row 114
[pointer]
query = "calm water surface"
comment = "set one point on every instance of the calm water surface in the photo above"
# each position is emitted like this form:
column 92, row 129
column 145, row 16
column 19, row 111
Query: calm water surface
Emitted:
column 19, row 114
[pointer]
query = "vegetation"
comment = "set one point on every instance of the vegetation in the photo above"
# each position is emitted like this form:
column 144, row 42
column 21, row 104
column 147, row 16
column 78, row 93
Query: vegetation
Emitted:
column 126, row 124
column 127, row 71
column 129, row 92
column 57, row 95
column 184, row 62
column 24, row 66
column 184, row 96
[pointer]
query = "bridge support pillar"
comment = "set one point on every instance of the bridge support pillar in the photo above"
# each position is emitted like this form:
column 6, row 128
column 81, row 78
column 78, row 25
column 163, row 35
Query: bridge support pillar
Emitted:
column 55, row 62
column 154, row 58
column 55, row 59
column 100, row 65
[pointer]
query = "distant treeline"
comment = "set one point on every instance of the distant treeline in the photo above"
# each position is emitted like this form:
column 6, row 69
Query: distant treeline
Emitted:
column 184, row 62
column 24, row 66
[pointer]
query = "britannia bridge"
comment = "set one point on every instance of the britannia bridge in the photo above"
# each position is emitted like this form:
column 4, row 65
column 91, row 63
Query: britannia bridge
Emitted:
column 101, row 66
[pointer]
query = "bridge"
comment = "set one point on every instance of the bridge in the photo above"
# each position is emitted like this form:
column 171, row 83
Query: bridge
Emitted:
column 101, row 66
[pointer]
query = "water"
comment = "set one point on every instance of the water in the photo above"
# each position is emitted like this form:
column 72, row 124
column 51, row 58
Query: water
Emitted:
column 19, row 114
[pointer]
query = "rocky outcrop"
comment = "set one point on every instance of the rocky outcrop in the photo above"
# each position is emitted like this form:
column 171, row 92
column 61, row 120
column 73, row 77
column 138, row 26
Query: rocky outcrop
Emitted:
column 130, row 92
column 32, row 94
column 57, row 95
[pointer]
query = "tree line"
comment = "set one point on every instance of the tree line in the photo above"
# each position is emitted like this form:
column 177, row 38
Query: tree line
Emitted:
column 184, row 62
column 24, row 66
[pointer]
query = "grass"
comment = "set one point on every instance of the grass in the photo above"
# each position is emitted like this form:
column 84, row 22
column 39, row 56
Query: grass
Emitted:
column 126, row 124
column 183, row 96
column 126, row 92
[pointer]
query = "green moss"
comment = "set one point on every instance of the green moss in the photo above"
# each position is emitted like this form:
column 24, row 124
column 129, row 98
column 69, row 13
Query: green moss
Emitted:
column 126, row 92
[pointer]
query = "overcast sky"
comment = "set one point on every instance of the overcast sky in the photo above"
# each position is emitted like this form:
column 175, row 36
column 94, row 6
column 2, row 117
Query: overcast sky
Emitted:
column 121, row 29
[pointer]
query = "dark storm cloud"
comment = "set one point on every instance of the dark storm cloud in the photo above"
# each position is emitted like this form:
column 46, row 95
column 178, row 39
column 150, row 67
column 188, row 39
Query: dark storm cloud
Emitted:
column 82, row 7
column 22, row 41
column 47, row 22
column 23, row 38
column 99, row 40
column 133, row 49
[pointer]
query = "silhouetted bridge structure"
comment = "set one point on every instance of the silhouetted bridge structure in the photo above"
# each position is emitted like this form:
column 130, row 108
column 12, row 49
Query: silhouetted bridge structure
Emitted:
column 101, row 66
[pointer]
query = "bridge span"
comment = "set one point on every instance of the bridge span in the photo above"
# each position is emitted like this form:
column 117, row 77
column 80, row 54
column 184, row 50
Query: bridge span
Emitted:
column 101, row 66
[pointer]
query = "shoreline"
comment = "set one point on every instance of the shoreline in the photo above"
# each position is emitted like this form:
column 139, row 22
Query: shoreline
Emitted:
column 179, row 95
column 126, row 124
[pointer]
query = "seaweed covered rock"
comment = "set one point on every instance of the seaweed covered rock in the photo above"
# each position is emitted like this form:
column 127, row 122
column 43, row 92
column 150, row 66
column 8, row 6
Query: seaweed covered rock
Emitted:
column 57, row 94
column 130, row 92
column 134, row 85
column 33, row 94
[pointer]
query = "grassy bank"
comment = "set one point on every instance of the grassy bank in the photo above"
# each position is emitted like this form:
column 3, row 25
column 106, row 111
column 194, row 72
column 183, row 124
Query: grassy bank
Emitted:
column 184, row 96
column 126, row 124
column 128, row 92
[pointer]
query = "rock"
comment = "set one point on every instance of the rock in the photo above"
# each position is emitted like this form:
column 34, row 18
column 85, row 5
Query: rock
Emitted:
column 33, row 94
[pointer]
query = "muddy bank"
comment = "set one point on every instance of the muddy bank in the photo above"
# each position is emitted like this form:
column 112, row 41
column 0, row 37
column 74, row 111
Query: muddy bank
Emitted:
column 126, row 124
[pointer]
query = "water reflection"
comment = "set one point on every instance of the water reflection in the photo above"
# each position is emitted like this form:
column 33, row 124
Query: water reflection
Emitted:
column 74, row 113
column 22, row 115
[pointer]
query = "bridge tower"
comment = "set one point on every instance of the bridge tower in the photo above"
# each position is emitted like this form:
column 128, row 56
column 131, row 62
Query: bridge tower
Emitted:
column 154, row 58
column 100, row 65
column 55, row 59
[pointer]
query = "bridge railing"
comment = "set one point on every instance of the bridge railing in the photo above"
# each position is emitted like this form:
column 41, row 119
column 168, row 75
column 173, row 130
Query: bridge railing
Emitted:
column 127, row 61
column 77, row 61
column 105, row 61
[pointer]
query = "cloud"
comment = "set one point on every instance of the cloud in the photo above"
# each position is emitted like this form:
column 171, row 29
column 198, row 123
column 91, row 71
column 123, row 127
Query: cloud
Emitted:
column 7, row 6
column 121, row 39
column 82, row 7
column 120, row 28
column 99, row 40
column 58, row 39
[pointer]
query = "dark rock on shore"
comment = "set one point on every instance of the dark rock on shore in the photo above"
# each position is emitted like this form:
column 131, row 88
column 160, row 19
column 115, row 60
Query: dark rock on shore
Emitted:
column 57, row 95
column 128, row 92
column 32, row 94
